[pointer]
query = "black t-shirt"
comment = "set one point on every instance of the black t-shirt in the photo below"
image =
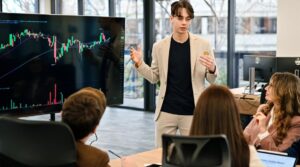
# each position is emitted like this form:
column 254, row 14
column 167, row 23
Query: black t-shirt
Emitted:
column 179, row 97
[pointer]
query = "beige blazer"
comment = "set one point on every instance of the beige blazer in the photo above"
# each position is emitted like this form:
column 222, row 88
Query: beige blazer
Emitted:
column 158, row 71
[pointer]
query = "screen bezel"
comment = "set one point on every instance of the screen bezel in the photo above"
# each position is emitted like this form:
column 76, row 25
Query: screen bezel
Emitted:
column 57, row 107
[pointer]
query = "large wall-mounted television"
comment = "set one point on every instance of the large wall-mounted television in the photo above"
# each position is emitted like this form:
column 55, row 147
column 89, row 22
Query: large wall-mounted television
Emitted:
column 264, row 66
column 45, row 58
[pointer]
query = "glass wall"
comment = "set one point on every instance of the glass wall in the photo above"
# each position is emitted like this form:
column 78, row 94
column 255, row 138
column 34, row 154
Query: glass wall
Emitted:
column 96, row 7
column 210, row 22
column 69, row 7
column 256, row 30
column 134, row 37
column 20, row 6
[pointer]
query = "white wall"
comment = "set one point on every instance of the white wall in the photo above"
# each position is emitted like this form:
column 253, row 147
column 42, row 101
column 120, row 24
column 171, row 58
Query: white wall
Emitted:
column 288, row 28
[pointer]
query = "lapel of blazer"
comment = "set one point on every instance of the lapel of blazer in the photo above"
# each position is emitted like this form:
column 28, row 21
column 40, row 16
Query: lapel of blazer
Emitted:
column 165, row 55
column 193, row 53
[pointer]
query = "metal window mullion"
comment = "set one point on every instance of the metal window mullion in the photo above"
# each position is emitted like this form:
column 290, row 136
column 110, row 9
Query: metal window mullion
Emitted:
column 149, row 14
column 80, row 6
column 232, row 60
column 111, row 8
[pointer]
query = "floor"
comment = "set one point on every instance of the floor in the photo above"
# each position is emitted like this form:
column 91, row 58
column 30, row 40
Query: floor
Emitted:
column 122, row 131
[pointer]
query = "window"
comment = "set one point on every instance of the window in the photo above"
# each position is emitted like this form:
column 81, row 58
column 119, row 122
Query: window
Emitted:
column 69, row 7
column 133, row 82
column 96, row 7
column 255, row 30
column 20, row 6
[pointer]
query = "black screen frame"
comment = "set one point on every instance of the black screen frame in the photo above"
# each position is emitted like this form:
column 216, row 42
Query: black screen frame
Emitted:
column 101, row 66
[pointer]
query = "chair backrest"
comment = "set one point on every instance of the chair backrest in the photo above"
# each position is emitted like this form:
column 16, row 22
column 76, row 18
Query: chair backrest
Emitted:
column 36, row 143
column 195, row 151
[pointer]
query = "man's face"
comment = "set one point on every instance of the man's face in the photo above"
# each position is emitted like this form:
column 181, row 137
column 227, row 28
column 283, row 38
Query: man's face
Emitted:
column 181, row 23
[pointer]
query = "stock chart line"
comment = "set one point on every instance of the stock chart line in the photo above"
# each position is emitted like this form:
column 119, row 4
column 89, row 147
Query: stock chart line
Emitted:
column 58, row 52
column 23, row 64
column 14, row 48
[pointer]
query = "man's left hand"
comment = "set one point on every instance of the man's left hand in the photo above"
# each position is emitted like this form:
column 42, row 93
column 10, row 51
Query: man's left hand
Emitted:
column 208, row 62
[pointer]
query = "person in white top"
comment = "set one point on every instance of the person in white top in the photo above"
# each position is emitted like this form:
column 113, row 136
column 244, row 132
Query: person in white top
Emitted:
column 216, row 113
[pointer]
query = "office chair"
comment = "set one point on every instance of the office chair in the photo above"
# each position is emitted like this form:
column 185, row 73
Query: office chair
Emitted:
column 25, row 143
column 195, row 151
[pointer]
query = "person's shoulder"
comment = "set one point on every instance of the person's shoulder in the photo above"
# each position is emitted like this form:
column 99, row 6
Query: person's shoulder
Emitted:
column 254, row 160
column 91, row 156
column 167, row 39
column 93, row 150
column 252, row 148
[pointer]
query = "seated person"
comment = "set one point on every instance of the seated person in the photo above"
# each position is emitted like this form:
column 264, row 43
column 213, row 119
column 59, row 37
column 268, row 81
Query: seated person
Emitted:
column 82, row 111
column 276, row 125
column 216, row 112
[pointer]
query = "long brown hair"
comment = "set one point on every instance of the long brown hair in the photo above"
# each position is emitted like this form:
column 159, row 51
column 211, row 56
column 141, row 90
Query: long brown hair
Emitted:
column 286, row 89
column 216, row 112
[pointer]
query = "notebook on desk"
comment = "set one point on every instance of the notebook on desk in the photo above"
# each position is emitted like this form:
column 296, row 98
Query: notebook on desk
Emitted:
column 276, row 159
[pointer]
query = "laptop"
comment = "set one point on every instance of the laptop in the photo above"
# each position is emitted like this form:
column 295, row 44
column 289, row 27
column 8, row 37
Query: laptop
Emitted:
column 276, row 159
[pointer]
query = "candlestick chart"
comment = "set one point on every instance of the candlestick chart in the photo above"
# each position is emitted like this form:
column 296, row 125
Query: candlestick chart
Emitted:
column 45, row 58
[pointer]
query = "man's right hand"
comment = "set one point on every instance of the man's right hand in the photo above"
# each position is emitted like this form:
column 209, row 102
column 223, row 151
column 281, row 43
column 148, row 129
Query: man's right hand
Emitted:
column 136, row 56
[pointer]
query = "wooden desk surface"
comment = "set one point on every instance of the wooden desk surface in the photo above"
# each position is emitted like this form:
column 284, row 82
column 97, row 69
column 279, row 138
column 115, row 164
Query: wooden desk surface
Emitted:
column 246, row 103
column 148, row 157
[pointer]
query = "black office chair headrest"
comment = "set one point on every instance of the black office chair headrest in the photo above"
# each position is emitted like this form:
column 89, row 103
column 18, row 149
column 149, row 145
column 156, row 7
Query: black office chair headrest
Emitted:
column 195, row 151
column 36, row 143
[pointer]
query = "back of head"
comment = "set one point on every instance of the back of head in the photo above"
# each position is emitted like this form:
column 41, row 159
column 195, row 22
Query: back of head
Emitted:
column 216, row 112
column 83, row 110
column 178, row 5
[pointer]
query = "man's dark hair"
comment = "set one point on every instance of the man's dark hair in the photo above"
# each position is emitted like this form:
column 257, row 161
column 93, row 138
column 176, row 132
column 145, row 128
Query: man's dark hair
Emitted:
column 83, row 110
column 178, row 5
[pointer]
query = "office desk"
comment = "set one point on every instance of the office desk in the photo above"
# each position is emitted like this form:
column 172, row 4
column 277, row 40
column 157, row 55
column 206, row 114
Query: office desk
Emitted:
column 247, row 104
column 148, row 157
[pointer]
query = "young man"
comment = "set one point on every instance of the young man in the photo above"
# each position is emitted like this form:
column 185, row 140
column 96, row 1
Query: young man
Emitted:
column 82, row 111
column 181, row 63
